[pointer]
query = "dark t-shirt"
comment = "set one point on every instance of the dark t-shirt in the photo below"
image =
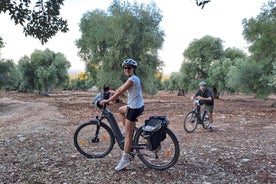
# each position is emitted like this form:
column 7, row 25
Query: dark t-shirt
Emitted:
column 207, row 93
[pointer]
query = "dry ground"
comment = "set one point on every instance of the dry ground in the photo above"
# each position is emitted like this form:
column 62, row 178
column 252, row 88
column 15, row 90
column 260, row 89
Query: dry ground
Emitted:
column 36, row 138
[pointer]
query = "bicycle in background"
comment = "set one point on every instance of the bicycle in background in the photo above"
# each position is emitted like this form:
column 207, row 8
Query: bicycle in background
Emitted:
column 194, row 118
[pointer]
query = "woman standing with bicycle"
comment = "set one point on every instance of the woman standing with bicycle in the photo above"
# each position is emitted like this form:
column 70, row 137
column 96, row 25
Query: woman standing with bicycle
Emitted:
column 205, row 96
column 134, row 108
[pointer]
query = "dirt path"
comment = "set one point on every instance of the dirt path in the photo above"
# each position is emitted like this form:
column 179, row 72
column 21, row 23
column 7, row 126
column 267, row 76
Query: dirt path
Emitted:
column 36, row 142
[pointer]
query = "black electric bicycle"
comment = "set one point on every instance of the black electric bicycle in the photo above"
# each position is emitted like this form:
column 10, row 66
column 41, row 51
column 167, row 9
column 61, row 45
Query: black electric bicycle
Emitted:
column 95, row 139
column 194, row 118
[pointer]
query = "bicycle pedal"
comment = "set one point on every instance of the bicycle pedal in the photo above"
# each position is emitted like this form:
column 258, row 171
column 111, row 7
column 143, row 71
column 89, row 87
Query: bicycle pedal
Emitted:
column 132, row 155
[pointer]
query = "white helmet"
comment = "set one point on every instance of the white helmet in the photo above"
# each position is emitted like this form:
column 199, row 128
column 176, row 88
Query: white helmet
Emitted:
column 130, row 62
column 202, row 83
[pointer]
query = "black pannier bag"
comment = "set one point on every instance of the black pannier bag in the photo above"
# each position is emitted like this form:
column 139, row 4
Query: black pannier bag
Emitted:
column 154, row 130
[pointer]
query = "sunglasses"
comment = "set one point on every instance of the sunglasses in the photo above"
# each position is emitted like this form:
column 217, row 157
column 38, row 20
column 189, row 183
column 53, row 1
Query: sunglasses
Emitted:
column 127, row 68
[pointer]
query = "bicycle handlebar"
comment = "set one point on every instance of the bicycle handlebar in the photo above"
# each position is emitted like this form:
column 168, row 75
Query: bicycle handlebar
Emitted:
column 196, row 101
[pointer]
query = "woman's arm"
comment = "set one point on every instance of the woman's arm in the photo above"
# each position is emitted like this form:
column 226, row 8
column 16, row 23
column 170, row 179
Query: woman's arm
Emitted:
column 118, row 92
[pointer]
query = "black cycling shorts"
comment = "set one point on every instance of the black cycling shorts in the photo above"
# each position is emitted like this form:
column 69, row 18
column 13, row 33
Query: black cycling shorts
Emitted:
column 132, row 114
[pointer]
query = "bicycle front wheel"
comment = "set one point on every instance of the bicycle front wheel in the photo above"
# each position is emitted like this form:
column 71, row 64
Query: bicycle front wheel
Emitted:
column 190, row 122
column 94, row 140
column 164, row 157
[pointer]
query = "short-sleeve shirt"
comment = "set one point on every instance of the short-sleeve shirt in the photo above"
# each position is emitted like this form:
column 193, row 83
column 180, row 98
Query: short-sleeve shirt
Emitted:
column 135, row 95
column 206, row 94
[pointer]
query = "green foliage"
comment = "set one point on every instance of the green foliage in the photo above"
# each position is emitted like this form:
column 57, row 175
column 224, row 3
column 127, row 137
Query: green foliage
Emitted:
column 272, row 78
column 41, row 21
column 203, row 52
column 261, row 32
column 189, row 75
column 27, row 75
column 232, row 70
column 234, row 53
column 77, row 84
column 173, row 82
column 218, row 72
column 91, row 71
column 124, row 31
column 247, row 76
column 81, row 82
column 9, row 77
column 44, row 71
column 158, row 81
column 199, row 59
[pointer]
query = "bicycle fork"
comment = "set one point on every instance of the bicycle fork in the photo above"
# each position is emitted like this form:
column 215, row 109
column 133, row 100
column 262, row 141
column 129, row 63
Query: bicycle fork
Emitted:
column 96, row 139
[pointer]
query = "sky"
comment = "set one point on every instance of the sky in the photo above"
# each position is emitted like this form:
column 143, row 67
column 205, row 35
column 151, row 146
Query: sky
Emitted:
column 183, row 21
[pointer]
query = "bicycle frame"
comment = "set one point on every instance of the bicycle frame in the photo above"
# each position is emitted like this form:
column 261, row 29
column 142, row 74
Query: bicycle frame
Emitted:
column 107, row 114
column 197, row 110
column 101, row 143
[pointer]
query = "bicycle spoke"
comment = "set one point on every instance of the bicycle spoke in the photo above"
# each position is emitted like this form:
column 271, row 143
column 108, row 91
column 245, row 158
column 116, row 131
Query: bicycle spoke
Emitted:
column 164, row 157
column 190, row 122
column 94, row 146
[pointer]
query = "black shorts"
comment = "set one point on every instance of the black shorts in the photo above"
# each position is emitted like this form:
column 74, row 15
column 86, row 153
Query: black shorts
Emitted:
column 132, row 114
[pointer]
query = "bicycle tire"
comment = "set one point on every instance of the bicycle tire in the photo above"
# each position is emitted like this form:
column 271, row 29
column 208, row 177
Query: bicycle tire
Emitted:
column 190, row 122
column 167, row 155
column 91, row 145
column 205, row 124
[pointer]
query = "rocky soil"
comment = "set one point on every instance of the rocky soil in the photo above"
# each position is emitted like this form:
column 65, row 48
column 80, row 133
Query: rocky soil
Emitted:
column 36, row 138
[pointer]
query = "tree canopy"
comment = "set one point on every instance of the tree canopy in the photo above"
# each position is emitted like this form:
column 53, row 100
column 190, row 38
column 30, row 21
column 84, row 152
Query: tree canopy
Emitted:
column 8, row 75
column 261, row 33
column 231, row 69
column 43, row 71
column 124, row 31
column 203, row 52
column 42, row 21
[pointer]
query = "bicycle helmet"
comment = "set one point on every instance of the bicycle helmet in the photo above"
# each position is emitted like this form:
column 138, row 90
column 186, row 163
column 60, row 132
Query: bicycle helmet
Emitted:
column 129, row 62
column 202, row 83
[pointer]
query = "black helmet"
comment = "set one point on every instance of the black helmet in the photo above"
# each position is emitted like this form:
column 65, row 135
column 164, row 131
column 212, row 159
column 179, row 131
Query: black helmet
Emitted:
column 129, row 62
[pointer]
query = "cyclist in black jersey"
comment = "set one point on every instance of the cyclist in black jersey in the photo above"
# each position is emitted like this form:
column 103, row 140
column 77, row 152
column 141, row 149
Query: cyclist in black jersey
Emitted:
column 205, row 96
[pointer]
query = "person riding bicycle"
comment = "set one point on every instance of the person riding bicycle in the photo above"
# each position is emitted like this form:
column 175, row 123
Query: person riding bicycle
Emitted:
column 205, row 96
column 134, row 107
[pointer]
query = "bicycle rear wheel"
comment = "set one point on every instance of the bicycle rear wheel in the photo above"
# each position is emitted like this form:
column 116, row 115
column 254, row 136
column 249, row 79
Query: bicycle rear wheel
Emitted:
column 164, row 157
column 190, row 122
column 93, row 140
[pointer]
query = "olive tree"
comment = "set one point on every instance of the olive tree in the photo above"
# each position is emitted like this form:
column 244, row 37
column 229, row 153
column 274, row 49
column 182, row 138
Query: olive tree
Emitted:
column 261, row 33
column 124, row 31
column 43, row 71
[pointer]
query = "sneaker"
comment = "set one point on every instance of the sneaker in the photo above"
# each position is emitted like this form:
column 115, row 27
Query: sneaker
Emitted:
column 211, row 129
column 124, row 162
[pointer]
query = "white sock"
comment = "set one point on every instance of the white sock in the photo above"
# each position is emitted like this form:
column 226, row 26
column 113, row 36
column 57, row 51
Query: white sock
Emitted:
column 125, row 156
column 210, row 125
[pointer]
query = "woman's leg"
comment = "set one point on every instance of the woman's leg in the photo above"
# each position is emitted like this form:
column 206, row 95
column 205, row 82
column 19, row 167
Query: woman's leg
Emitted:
column 128, row 135
column 122, row 111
